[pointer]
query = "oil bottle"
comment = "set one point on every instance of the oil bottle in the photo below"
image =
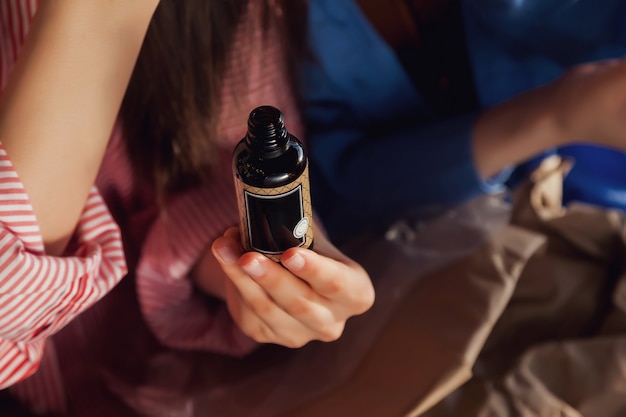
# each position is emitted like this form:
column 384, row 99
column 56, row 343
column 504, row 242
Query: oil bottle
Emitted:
column 270, row 170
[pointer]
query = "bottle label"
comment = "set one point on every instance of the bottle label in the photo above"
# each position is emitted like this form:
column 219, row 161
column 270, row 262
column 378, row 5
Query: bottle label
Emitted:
column 273, row 220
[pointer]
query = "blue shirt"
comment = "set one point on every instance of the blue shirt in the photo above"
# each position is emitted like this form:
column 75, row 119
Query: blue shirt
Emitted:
column 378, row 150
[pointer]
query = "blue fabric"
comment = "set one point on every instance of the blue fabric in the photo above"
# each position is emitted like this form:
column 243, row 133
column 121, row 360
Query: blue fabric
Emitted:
column 519, row 44
column 516, row 45
column 376, row 147
column 362, row 108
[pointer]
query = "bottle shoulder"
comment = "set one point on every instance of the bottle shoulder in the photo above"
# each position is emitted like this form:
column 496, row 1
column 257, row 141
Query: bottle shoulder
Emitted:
column 253, row 169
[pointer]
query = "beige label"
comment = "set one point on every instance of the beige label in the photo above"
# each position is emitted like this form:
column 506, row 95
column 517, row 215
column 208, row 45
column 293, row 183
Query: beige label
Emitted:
column 258, row 208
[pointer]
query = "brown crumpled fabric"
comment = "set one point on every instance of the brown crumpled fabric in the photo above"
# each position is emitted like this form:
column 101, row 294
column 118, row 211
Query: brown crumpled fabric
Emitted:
column 430, row 343
column 559, row 348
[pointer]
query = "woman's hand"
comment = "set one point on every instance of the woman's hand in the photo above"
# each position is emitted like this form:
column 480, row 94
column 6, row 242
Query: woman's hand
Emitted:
column 589, row 103
column 586, row 104
column 309, row 297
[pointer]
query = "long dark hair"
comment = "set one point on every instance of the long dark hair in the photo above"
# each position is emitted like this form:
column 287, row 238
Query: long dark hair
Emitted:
column 171, row 105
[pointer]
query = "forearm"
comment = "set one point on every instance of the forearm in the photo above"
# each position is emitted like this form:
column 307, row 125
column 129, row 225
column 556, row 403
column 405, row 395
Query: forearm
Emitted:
column 59, row 107
column 515, row 131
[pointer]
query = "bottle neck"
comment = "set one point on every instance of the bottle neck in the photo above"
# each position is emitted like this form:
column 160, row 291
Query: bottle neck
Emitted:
column 267, row 135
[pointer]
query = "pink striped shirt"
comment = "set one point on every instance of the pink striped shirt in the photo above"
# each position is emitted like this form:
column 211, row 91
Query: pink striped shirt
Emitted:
column 57, row 360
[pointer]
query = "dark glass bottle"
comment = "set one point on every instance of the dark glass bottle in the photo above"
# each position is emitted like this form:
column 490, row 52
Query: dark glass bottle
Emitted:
column 271, row 176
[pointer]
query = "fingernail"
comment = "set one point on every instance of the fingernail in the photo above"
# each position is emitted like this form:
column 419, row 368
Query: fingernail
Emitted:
column 294, row 263
column 226, row 254
column 254, row 268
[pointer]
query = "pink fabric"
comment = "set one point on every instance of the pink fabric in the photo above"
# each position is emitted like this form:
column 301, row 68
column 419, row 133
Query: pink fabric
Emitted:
column 156, row 304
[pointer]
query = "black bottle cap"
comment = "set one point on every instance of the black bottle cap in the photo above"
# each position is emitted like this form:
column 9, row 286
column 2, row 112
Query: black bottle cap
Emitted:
column 266, row 132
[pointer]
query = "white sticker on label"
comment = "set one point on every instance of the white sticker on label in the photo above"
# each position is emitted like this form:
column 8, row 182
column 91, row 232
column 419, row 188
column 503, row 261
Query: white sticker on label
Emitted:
column 301, row 228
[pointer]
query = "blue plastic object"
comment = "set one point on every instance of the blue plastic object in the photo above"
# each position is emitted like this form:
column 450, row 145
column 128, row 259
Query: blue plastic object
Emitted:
column 598, row 177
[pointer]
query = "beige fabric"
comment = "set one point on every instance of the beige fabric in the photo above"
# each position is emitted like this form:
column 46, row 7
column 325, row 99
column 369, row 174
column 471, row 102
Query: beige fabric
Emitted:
column 559, row 348
column 429, row 345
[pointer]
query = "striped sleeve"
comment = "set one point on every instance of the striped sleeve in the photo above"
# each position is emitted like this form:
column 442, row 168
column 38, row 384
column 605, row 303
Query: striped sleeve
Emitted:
column 40, row 294
column 177, row 315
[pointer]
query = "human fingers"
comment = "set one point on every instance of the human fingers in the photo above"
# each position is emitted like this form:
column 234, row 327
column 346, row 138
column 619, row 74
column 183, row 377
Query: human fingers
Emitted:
column 341, row 281
column 249, row 322
column 261, row 318
column 293, row 321
column 295, row 297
